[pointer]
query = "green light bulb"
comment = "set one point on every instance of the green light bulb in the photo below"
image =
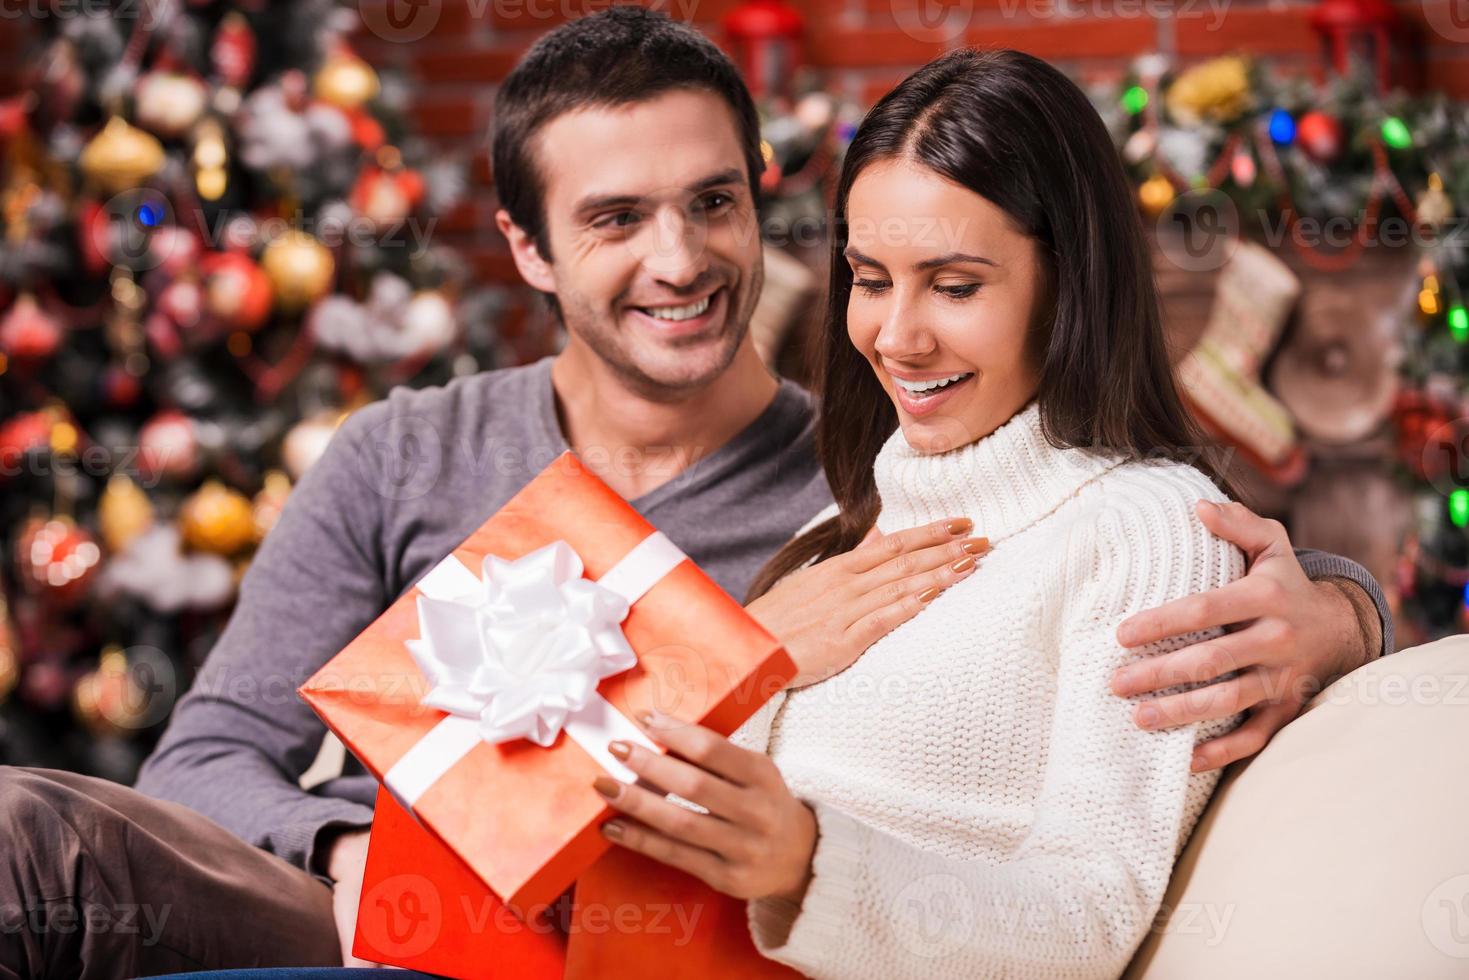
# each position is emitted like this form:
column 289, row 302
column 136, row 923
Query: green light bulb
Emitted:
column 1459, row 507
column 1395, row 133
column 1459, row 322
column 1135, row 99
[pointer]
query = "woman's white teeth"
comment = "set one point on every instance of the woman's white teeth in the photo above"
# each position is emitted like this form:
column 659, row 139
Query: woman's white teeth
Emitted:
column 677, row 312
column 923, row 387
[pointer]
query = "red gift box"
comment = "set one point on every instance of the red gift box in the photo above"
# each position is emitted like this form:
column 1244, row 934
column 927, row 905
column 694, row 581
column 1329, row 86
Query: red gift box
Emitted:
column 523, row 816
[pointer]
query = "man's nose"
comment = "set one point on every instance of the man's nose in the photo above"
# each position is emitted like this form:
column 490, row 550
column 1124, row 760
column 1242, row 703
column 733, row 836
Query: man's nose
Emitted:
column 676, row 248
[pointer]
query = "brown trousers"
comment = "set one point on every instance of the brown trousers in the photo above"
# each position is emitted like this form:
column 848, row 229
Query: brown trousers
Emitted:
column 99, row 881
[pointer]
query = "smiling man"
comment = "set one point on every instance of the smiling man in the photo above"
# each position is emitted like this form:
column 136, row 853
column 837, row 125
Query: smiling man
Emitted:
column 627, row 158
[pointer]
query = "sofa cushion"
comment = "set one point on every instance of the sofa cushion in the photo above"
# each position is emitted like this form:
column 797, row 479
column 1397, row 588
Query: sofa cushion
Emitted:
column 1342, row 849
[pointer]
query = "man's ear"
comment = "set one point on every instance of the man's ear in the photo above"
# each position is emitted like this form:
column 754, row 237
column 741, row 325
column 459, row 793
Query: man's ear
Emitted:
column 535, row 270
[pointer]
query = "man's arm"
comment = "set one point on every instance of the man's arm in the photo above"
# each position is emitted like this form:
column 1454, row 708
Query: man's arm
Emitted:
column 239, row 741
column 1369, row 602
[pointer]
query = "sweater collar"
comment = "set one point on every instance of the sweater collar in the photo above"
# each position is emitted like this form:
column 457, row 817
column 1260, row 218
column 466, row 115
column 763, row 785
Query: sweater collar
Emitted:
column 1004, row 482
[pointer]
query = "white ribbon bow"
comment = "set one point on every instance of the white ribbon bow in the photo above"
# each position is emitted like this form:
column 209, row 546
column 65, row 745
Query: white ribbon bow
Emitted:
column 526, row 649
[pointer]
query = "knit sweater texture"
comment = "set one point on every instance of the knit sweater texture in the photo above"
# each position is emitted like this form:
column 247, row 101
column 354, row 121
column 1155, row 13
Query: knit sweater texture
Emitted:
column 986, row 806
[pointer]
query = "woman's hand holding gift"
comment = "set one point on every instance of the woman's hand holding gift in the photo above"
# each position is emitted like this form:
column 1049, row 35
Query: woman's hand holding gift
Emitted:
column 828, row 614
column 755, row 841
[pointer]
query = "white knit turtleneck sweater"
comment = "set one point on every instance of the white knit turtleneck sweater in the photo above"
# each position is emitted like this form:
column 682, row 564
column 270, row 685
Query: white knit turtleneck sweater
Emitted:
column 986, row 805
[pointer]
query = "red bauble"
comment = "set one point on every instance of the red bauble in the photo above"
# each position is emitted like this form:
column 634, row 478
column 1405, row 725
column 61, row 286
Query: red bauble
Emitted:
column 167, row 446
column 27, row 332
column 56, row 560
column 236, row 290
column 1320, row 135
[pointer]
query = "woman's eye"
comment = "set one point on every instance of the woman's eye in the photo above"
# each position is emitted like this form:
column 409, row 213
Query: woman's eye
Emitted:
column 870, row 285
column 960, row 291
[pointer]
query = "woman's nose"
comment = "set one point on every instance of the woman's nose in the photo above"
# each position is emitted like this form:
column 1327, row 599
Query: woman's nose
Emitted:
column 903, row 335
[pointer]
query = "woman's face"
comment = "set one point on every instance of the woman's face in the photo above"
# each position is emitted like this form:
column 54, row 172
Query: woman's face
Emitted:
column 945, row 294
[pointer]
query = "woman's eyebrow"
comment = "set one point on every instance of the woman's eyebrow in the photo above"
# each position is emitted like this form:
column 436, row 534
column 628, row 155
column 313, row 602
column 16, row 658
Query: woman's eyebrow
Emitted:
column 950, row 258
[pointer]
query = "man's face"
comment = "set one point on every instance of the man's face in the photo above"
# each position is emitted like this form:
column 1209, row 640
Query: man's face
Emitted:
column 654, row 242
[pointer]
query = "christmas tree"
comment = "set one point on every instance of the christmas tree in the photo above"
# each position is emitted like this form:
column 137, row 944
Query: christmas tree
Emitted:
column 217, row 242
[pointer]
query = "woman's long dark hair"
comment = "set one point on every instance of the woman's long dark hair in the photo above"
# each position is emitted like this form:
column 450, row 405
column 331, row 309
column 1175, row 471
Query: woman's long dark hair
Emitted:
column 1020, row 134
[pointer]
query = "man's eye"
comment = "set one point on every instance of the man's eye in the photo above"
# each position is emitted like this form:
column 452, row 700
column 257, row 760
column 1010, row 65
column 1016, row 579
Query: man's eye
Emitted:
column 870, row 285
column 717, row 201
column 619, row 219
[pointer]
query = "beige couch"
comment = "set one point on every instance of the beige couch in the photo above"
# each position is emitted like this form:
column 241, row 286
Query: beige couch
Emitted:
column 1340, row 851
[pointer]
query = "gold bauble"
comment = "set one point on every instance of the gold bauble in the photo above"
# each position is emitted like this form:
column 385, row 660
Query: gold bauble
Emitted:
column 217, row 519
column 1217, row 91
column 108, row 700
column 121, row 156
column 345, row 80
column 123, row 512
column 300, row 269
column 270, row 501
column 1155, row 194
column 1434, row 208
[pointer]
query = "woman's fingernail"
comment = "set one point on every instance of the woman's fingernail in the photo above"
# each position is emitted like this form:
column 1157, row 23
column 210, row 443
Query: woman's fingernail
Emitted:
column 1147, row 716
column 962, row 565
column 655, row 719
column 929, row 594
column 978, row 546
column 1198, row 763
column 962, row 526
column 613, row 829
column 607, row 786
column 619, row 749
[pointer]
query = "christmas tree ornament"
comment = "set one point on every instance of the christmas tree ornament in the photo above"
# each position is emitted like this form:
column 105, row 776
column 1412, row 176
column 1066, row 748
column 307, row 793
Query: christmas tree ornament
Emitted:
column 1140, row 146
column 1220, row 377
column 210, row 160
column 233, row 52
column 1242, row 168
column 27, row 332
column 108, row 699
column 766, row 38
column 217, row 519
column 269, row 502
column 123, row 512
column 300, row 270
column 9, row 652
column 345, row 80
column 1215, row 91
column 167, row 447
column 236, row 290
column 121, row 157
column 155, row 570
column 1320, row 135
column 56, row 560
column 169, row 102
column 1434, row 208
column 1395, row 133
column 307, row 440
column 1155, row 194
column 387, row 193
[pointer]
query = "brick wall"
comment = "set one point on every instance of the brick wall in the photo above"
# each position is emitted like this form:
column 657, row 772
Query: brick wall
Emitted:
column 456, row 51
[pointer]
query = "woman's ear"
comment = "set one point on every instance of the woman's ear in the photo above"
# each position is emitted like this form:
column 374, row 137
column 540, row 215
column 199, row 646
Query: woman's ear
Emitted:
column 534, row 269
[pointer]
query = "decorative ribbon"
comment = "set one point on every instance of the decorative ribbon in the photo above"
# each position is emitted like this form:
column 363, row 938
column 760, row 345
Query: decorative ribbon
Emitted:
column 518, row 651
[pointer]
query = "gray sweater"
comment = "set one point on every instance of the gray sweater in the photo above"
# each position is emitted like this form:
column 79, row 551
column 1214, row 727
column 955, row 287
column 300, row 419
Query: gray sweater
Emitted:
column 403, row 482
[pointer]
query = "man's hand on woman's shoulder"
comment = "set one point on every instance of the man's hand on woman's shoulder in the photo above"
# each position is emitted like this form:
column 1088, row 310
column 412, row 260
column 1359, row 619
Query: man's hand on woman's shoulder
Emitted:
column 1290, row 638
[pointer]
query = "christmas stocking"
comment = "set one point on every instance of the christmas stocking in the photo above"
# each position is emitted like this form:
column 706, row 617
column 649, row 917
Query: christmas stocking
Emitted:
column 1220, row 378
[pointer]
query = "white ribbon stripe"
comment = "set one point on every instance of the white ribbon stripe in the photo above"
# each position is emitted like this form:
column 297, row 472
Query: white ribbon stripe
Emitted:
column 518, row 651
